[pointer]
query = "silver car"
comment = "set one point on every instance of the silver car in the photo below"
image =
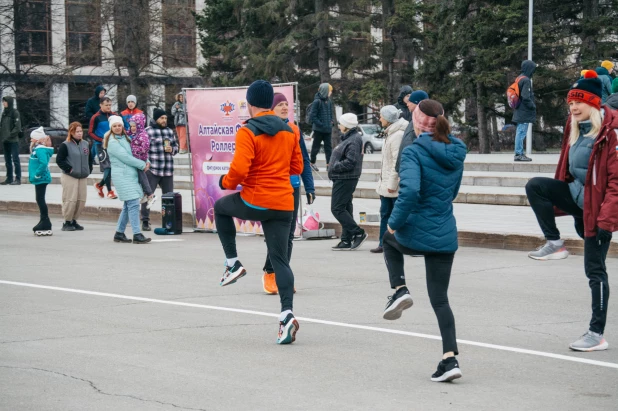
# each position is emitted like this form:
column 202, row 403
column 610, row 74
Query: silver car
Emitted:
column 372, row 139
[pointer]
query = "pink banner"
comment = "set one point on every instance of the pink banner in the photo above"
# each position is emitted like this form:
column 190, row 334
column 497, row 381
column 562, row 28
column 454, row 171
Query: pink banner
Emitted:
column 214, row 116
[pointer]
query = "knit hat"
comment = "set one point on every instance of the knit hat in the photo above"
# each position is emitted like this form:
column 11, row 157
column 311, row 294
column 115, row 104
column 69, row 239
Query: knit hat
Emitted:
column 615, row 85
column 38, row 134
column 157, row 113
column 348, row 120
column 115, row 119
column 581, row 73
column 587, row 90
column 278, row 98
column 418, row 96
column 390, row 114
column 608, row 65
column 132, row 98
column 260, row 94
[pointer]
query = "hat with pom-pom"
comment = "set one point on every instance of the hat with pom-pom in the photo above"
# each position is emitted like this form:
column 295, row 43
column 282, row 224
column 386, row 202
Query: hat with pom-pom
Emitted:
column 587, row 90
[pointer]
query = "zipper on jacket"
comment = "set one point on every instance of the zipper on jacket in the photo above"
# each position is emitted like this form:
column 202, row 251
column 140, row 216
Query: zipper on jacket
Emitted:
column 594, row 172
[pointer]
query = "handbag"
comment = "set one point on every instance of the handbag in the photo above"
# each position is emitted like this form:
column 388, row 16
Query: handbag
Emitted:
column 104, row 162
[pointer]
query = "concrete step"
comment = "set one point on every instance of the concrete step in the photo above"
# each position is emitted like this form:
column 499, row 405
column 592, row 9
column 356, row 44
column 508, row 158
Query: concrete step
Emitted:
column 180, row 182
column 179, row 159
column 179, row 170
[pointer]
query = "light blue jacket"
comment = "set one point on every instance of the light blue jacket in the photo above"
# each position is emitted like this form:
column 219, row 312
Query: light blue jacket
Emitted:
column 38, row 165
column 124, row 168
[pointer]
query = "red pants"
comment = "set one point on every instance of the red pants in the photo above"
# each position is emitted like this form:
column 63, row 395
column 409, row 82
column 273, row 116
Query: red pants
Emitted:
column 182, row 136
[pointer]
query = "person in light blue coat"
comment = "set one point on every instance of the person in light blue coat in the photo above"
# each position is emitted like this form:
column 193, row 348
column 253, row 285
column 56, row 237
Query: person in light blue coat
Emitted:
column 422, row 223
column 124, row 174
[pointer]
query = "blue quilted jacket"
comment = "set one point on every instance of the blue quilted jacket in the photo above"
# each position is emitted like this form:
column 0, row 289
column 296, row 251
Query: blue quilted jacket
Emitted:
column 430, row 175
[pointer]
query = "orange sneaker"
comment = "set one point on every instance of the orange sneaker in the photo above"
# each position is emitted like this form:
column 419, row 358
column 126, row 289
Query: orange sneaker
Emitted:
column 112, row 195
column 99, row 190
column 269, row 283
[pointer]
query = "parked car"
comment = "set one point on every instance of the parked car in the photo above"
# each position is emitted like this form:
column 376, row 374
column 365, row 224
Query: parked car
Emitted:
column 58, row 135
column 373, row 139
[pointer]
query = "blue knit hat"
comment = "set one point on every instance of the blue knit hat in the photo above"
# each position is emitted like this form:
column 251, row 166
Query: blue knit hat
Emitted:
column 260, row 94
column 418, row 96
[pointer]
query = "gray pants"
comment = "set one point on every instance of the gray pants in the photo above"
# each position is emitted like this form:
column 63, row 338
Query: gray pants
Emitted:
column 144, row 182
column 166, row 184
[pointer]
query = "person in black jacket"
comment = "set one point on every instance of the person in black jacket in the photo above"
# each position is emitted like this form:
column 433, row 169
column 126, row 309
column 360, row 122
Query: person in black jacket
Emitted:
column 345, row 171
column 525, row 114
column 402, row 102
column 92, row 105
column 321, row 119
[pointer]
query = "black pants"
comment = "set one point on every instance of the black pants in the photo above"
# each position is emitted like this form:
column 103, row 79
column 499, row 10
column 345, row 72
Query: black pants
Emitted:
column 40, row 190
column 318, row 138
column 105, row 167
column 268, row 265
column 342, row 209
column 276, row 226
column 11, row 158
column 438, row 274
column 166, row 184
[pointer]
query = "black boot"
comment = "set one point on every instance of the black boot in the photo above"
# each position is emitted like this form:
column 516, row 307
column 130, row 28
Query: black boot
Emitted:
column 140, row 239
column 121, row 238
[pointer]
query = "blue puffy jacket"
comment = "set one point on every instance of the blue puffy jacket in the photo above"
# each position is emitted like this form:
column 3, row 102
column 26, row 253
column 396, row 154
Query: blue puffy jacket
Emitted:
column 430, row 174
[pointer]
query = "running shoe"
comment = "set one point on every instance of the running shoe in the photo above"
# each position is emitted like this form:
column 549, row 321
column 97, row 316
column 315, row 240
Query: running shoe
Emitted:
column 448, row 370
column 99, row 189
column 342, row 246
column 287, row 330
column 232, row 274
column 549, row 251
column 269, row 283
column 77, row 226
column 590, row 341
column 112, row 195
column 377, row 250
column 67, row 226
column 358, row 241
column 522, row 157
column 397, row 303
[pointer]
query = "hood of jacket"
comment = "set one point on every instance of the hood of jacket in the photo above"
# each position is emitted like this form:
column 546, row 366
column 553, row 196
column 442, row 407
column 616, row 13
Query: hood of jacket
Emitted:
column 11, row 102
column 405, row 90
column 268, row 123
column 140, row 124
column 323, row 91
column 450, row 156
column 612, row 101
column 601, row 71
column 349, row 133
column 97, row 90
column 399, row 125
column 528, row 68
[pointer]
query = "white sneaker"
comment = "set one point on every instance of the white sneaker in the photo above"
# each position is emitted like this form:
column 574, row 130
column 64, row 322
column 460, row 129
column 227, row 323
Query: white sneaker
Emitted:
column 150, row 201
column 549, row 251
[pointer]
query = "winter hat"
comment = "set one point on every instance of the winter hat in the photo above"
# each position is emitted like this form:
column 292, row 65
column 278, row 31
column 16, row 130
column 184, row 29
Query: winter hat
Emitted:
column 115, row 119
column 418, row 96
column 608, row 65
column 132, row 98
column 348, row 120
column 260, row 94
column 38, row 134
column 422, row 120
column 390, row 113
column 587, row 90
column 278, row 98
column 157, row 113
column 615, row 85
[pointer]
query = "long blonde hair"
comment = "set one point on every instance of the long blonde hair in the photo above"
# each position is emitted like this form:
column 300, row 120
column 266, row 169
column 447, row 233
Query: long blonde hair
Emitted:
column 109, row 133
column 595, row 120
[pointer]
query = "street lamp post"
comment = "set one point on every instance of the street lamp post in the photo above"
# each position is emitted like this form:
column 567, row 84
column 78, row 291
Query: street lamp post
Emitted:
column 529, row 134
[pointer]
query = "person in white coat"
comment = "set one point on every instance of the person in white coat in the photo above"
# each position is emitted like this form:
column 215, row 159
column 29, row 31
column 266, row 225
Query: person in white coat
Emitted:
column 388, row 184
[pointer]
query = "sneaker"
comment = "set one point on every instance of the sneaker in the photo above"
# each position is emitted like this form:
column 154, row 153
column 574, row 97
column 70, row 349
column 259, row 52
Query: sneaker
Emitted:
column 77, row 226
column 121, row 238
column 314, row 167
column 287, row 330
column 112, row 195
column 590, row 341
column 16, row 183
column 397, row 303
column 448, row 370
column 67, row 226
column 522, row 157
column 549, row 251
column 151, row 201
column 232, row 274
column 6, row 182
column 146, row 226
column 99, row 190
column 140, row 239
column 269, row 283
column 342, row 246
column 377, row 250
column 358, row 241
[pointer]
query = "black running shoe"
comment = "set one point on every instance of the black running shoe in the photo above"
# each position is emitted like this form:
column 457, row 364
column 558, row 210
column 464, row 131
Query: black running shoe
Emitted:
column 358, row 241
column 342, row 246
column 77, row 226
column 397, row 303
column 448, row 370
column 232, row 274
column 67, row 226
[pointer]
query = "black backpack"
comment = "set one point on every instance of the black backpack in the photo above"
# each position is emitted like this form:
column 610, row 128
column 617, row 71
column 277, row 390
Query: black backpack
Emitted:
column 308, row 114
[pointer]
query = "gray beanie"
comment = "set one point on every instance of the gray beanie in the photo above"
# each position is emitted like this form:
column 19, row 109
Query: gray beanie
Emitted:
column 390, row 113
column 132, row 98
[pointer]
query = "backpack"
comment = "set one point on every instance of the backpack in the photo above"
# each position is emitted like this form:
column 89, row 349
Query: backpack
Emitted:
column 20, row 134
column 513, row 95
column 308, row 114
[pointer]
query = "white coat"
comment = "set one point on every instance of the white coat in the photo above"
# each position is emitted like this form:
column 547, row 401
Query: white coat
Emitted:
column 389, row 178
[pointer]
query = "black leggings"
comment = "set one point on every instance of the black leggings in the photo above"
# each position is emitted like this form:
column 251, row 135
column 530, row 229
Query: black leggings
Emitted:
column 40, row 190
column 438, row 274
column 268, row 266
column 276, row 226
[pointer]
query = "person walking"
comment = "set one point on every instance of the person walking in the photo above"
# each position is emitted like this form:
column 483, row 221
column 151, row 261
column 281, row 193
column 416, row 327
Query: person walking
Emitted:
column 267, row 154
column 388, row 183
column 408, row 135
column 180, row 121
column 99, row 126
column 280, row 107
column 321, row 120
column 39, row 175
column 124, row 172
column 10, row 129
column 585, row 187
column 422, row 223
column 163, row 148
column 75, row 159
column 345, row 171
column 604, row 72
column 130, row 111
column 525, row 114
column 402, row 102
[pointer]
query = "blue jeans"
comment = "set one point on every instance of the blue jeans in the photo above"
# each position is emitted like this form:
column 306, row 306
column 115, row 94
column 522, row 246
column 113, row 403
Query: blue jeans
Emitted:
column 520, row 137
column 130, row 212
column 386, row 208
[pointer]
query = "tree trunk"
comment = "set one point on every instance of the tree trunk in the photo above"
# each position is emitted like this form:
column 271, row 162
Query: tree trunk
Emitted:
column 495, row 133
column 481, row 120
column 322, row 42
column 588, row 36
column 388, row 48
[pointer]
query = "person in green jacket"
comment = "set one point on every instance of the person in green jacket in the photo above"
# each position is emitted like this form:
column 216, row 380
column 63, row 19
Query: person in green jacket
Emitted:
column 10, row 127
column 40, row 177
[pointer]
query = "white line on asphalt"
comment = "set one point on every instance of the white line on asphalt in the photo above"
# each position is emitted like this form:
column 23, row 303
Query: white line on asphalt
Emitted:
column 167, row 240
column 324, row 322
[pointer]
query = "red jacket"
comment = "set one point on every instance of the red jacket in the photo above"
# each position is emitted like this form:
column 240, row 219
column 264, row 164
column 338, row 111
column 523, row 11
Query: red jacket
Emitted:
column 601, row 186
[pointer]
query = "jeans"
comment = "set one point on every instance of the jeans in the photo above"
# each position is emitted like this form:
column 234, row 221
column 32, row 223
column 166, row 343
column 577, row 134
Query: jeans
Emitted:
column 437, row 273
column 11, row 158
column 130, row 212
column 40, row 190
column 520, row 137
column 342, row 209
column 166, row 184
column 268, row 266
column 386, row 208
column 317, row 141
column 276, row 226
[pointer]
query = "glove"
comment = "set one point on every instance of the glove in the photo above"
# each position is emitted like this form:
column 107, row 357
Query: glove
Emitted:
column 603, row 237
column 310, row 198
column 221, row 183
column 579, row 227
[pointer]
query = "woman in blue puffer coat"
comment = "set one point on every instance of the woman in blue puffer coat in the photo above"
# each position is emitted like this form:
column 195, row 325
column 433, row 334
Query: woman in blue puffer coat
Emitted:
column 422, row 223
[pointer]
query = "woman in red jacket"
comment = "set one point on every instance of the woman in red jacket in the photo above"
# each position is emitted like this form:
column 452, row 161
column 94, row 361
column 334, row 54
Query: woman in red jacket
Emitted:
column 586, row 187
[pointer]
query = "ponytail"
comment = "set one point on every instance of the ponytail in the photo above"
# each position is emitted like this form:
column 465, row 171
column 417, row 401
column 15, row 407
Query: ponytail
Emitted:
column 443, row 129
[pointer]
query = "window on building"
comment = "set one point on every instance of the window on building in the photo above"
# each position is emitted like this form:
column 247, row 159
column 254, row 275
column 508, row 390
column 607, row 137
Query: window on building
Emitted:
column 83, row 21
column 179, row 33
column 33, row 104
column 132, row 41
column 33, row 31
